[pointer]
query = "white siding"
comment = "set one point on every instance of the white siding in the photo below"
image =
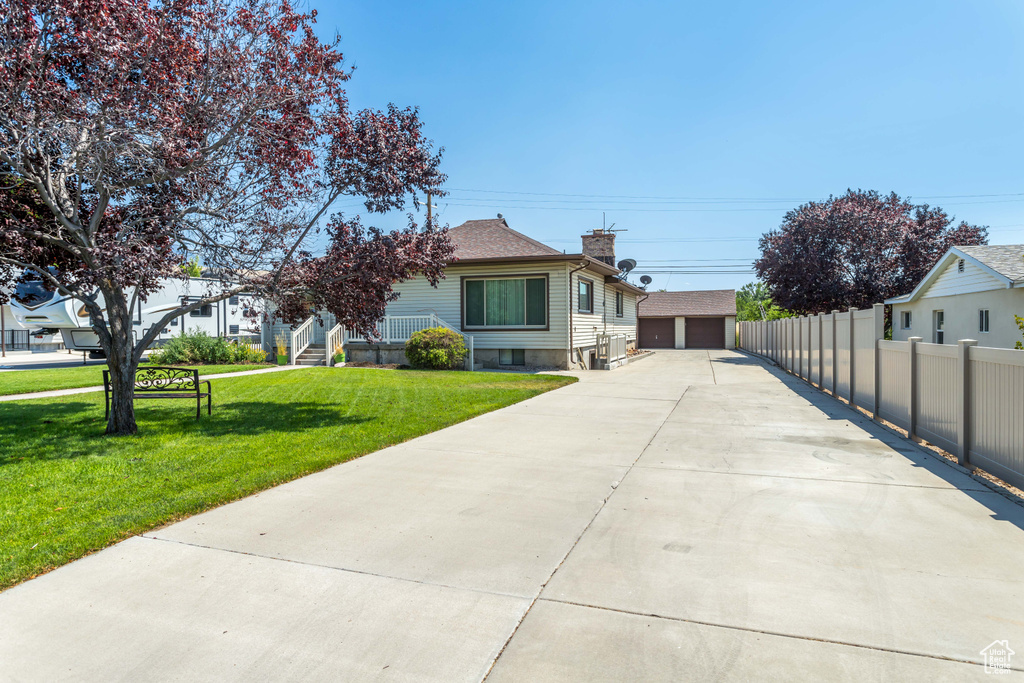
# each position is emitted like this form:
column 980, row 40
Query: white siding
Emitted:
column 586, row 326
column 417, row 297
column 961, row 317
column 952, row 281
column 680, row 333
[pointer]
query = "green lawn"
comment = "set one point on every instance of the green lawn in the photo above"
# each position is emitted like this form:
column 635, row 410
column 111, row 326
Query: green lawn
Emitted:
column 66, row 490
column 72, row 377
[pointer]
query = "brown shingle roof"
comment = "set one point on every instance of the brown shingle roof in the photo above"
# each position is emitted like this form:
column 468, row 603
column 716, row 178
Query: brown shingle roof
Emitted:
column 674, row 304
column 492, row 238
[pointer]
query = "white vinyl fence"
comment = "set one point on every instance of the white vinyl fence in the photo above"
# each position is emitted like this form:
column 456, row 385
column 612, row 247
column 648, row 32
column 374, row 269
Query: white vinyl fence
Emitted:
column 966, row 399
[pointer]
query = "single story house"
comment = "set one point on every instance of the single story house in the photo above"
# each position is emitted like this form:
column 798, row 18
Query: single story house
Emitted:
column 523, row 303
column 970, row 293
column 688, row 320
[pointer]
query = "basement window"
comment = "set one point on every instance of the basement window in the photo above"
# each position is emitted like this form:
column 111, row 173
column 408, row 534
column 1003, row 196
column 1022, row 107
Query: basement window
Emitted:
column 511, row 357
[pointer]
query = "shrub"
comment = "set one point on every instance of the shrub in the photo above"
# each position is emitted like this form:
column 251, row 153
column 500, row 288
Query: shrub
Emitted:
column 436, row 348
column 196, row 347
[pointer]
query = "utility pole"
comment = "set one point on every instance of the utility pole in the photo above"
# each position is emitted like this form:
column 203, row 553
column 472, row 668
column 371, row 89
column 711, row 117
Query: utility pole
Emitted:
column 429, row 208
column 3, row 335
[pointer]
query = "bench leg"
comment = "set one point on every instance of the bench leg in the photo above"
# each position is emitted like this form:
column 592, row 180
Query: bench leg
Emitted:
column 209, row 404
column 199, row 406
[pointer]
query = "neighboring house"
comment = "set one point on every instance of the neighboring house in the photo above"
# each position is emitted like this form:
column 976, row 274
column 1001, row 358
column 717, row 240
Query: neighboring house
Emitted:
column 688, row 320
column 522, row 302
column 971, row 293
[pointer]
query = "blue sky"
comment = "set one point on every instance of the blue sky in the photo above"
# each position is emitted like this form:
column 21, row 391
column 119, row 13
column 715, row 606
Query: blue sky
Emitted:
column 727, row 114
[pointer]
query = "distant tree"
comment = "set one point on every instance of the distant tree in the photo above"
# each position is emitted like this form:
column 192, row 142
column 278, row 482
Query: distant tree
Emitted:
column 752, row 299
column 136, row 136
column 855, row 250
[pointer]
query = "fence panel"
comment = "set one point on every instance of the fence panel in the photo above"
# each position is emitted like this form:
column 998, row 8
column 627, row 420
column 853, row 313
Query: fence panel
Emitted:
column 804, row 338
column 935, row 387
column 894, row 382
column 842, row 359
column 826, row 349
column 815, row 354
column 863, row 361
column 995, row 378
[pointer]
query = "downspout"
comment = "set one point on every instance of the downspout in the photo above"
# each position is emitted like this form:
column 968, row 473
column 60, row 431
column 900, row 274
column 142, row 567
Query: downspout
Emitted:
column 572, row 351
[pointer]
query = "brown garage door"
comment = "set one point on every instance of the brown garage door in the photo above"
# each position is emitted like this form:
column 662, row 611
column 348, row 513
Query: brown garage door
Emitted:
column 705, row 333
column 657, row 333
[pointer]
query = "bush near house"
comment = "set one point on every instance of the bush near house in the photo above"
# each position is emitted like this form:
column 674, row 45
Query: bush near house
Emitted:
column 196, row 347
column 435, row 348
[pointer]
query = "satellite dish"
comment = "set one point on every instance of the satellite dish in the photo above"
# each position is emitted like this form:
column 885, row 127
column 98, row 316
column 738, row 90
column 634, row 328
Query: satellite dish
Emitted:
column 626, row 265
column 646, row 280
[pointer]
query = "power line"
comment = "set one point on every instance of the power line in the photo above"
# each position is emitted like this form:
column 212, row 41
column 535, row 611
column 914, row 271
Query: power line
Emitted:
column 711, row 199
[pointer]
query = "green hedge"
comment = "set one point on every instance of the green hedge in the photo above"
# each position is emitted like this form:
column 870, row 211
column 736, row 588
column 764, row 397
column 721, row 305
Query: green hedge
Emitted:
column 436, row 348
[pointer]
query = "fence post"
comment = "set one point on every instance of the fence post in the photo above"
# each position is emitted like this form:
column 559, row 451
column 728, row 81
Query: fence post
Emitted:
column 877, row 334
column 835, row 354
column 912, row 364
column 963, row 400
column 853, row 330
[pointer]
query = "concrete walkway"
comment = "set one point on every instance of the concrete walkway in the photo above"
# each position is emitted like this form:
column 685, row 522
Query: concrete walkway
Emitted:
column 692, row 516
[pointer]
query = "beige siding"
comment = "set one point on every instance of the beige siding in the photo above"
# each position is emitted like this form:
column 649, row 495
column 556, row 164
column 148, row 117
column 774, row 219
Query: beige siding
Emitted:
column 586, row 326
column 952, row 281
column 680, row 333
column 961, row 317
column 730, row 332
column 417, row 297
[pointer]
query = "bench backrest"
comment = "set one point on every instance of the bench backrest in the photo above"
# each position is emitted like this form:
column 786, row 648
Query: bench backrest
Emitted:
column 161, row 378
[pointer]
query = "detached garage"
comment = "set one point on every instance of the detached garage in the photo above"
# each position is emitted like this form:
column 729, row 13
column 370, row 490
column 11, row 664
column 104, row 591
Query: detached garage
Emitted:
column 688, row 320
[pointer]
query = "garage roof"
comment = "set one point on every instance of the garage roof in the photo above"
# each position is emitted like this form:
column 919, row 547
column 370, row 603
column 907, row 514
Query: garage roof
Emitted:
column 680, row 304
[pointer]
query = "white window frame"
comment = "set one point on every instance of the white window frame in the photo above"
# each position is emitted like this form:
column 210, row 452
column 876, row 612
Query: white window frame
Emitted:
column 906, row 320
column 938, row 326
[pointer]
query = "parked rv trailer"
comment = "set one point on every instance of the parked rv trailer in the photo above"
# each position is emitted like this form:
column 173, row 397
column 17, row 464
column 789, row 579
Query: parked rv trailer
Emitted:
column 35, row 308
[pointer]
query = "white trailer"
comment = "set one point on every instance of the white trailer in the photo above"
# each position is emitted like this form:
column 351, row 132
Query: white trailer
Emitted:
column 35, row 308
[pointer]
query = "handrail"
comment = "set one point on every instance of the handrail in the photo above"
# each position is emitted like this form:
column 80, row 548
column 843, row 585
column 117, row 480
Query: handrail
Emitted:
column 335, row 337
column 467, row 337
column 302, row 336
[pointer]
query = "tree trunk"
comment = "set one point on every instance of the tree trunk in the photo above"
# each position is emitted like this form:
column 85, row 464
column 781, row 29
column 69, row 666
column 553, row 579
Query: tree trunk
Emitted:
column 121, row 363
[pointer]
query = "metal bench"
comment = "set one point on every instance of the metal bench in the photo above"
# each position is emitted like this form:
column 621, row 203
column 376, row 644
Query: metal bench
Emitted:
column 166, row 382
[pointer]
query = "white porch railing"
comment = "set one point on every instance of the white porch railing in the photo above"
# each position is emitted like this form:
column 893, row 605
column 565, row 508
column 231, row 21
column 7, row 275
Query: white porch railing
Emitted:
column 301, row 338
column 398, row 328
column 335, row 338
column 611, row 347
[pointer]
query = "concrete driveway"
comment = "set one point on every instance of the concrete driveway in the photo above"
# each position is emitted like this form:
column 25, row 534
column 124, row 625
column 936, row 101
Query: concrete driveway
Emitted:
column 693, row 516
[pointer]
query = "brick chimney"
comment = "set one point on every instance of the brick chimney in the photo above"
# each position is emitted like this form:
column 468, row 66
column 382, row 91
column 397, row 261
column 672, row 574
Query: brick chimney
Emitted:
column 600, row 245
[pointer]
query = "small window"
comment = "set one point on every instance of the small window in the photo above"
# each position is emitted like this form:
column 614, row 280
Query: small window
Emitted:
column 905, row 320
column 232, row 329
column 511, row 357
column 174, row 322
column 940, row 322
column 586, row 296
column 983, row 320
column 960, row 266
column 233, row 301
column 204, row 311
column 619, row 303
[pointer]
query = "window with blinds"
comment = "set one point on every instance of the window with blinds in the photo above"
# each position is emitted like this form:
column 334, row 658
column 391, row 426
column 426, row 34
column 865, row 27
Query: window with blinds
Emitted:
column 517, row 302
